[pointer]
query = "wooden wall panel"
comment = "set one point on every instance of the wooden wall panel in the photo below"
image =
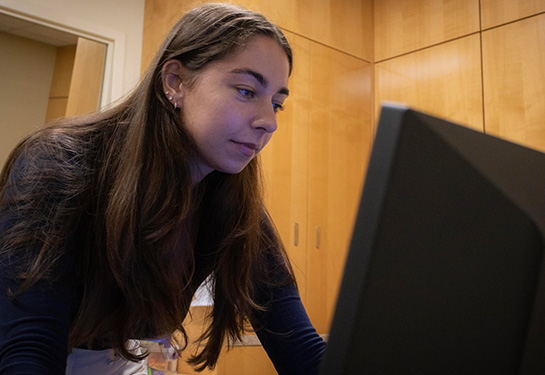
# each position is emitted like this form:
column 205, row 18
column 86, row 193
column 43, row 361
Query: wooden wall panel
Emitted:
column 497, row 12
column 325, row 131
column 514, row 81
column 444, row 80
column 195, row 324
column 62, row 73
column 318, row 20
column 159, row 17
column 86, row 82
column 345, row 25
column 56, row 108
column 403, row 26
column 285, row 162
column 245, row 360
column 340, row 142
column 60, row 83
column 314, row 167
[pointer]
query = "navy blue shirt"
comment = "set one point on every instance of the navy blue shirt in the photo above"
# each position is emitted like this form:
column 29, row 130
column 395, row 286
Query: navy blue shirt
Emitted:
column 34, row 328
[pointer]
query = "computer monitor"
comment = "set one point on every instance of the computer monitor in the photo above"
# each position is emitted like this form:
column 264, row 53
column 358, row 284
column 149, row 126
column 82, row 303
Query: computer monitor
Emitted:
column 444, row 271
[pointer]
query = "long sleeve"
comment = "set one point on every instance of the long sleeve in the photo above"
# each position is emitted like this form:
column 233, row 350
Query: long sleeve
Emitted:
column 287, row 334
column 34, row 327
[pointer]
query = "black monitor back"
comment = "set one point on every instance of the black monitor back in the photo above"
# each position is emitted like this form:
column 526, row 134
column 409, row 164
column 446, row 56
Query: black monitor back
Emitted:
column 443, row 275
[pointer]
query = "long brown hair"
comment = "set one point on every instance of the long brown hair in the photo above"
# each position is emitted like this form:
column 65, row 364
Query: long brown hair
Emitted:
column 110, row 196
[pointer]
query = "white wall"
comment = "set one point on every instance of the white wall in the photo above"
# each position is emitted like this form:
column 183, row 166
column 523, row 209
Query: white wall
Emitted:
column 119, row 22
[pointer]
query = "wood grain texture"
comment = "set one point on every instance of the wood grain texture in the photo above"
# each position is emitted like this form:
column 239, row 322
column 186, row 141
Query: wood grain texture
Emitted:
column 314, row 167
column 345, row 25
column 443, row 80
column 497, row 12
column 62, row 73
column 514, row 81
column 241, row 360
column 56, row 108
column 285, row 163
column 159, row 17
column 60, row 82
column 245, row 360
column 340, row 140
column 195, row 324
column 403, row 26
column 325, row 132
column 86, row 81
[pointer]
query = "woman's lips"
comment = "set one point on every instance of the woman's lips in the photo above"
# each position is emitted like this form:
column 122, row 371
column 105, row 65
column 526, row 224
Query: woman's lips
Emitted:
column 248, row 149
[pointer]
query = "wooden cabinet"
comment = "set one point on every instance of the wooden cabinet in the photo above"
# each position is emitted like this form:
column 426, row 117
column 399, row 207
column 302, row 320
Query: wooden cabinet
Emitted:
column 444, row 80
column 285, row 162
column 491, row 79
column 403, row 26
column 514, row 81
column 345, row 25
column 449, row 58
column 340, row 135
column 247, row 358
column 314, row 168
column 315, row 162
column 498, row 12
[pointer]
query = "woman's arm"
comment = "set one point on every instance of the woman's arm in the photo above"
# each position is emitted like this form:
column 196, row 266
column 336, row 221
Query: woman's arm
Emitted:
column 34, row 327
column 286, row 332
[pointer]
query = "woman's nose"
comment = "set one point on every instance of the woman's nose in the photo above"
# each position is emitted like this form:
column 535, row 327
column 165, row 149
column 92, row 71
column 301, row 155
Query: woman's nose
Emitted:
column 265, row 119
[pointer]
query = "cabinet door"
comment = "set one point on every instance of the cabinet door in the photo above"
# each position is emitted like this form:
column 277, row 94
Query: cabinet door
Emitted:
column 444, row 80
column 514, row 81
column 402, row 26
column 285, row 163
column 314, row 168
column 340, row 138
column 497, row 12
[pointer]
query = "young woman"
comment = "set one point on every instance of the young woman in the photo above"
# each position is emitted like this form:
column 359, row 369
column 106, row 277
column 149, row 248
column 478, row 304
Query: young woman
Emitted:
column 110, row 222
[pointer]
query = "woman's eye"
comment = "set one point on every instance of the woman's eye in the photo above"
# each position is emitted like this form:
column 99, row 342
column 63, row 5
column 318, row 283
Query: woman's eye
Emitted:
column 278, row 107
column 249, row 94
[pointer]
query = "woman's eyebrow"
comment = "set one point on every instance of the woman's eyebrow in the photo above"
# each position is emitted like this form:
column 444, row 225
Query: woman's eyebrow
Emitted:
column 260, row 78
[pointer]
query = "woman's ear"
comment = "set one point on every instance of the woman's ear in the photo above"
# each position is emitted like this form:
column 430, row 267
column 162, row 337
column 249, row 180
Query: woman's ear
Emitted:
column 173, row 87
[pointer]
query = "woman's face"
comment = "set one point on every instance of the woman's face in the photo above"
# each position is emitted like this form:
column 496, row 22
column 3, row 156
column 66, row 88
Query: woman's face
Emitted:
column 231, row 108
